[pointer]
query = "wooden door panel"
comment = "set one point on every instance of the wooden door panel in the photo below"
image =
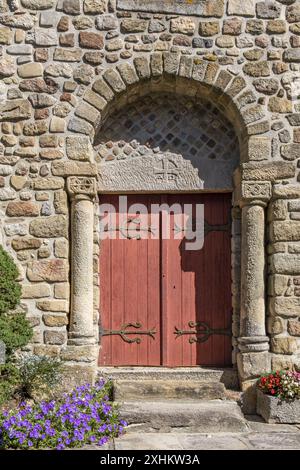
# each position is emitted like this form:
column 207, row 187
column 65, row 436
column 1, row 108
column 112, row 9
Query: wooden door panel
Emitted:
column 197, row 289
column 130, row 297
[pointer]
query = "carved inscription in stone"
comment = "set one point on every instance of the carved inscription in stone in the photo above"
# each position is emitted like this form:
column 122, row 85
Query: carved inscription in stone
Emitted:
column 149, row 173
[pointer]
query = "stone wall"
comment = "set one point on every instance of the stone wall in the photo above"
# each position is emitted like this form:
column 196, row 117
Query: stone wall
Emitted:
column 67, row 65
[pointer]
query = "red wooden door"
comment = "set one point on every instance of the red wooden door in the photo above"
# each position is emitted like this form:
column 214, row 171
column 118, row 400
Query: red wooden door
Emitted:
column 162, row 304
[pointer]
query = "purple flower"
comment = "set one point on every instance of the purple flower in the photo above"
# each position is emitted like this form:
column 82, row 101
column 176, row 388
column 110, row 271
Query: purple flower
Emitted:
column 82, row 416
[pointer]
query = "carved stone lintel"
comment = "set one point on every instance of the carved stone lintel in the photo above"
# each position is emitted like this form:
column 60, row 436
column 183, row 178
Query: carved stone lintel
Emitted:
column 82, row 185
column 258, row 193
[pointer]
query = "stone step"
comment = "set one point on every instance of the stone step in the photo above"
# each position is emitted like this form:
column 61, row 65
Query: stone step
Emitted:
column 145, row 389
column 227, row 376
column 214, row 416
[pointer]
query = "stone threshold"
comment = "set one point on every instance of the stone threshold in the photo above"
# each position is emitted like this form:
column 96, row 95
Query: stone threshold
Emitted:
column 227, row 376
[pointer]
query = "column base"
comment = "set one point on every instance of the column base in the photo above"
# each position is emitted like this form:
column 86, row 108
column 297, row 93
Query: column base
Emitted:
column 253, row 343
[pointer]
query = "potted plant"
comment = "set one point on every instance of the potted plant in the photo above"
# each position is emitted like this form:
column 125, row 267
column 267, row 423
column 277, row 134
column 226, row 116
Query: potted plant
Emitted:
column 278, row 397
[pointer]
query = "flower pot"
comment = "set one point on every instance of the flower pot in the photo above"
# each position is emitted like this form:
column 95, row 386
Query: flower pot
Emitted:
column 276, row 410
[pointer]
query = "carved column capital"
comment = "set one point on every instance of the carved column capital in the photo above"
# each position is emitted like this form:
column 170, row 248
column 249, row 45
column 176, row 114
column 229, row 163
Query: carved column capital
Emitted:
column 255, row 193
column 82, row 187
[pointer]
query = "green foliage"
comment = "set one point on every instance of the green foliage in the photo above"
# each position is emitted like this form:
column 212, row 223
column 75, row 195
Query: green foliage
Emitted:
column 9, row 379
column 30, row 376
column 10, row 289
column 38, row 376
column 15, row 331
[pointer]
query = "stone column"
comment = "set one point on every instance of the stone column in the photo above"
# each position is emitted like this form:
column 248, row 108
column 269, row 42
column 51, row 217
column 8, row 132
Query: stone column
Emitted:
column 82, row 192
column 253, row 358
column 253, row 276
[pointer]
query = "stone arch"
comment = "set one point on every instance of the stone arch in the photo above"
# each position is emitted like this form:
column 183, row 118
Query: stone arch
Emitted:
column 191, row 77
column 159, row 143
column 173, row 73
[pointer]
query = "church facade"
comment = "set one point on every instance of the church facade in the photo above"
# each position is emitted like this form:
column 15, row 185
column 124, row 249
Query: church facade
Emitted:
column 160, row 102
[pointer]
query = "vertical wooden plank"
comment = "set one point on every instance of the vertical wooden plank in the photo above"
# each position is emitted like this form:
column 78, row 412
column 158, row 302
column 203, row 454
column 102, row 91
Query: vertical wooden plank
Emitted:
column 154, row 287
column 105, row 356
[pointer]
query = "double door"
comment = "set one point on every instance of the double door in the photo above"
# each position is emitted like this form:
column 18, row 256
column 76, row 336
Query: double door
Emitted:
column 161, row 302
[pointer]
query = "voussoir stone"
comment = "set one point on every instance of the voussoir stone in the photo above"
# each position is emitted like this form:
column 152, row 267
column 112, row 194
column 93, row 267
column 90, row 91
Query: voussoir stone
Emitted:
column 49, row 227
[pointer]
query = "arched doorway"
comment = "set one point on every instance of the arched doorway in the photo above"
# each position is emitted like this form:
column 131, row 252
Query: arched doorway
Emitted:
column 160, row 303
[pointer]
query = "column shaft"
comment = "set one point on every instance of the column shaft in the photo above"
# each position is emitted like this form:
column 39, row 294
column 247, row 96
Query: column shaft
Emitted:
column 253, row 272
column 82, row 221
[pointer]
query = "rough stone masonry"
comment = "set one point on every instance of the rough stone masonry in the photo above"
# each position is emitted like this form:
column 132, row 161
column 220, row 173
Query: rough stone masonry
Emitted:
column 67, row 65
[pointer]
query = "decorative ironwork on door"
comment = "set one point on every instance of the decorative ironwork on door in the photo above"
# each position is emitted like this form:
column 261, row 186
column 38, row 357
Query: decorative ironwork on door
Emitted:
column 207, row 227
column 201, row 332
column 134, row 231
column 124, row 333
